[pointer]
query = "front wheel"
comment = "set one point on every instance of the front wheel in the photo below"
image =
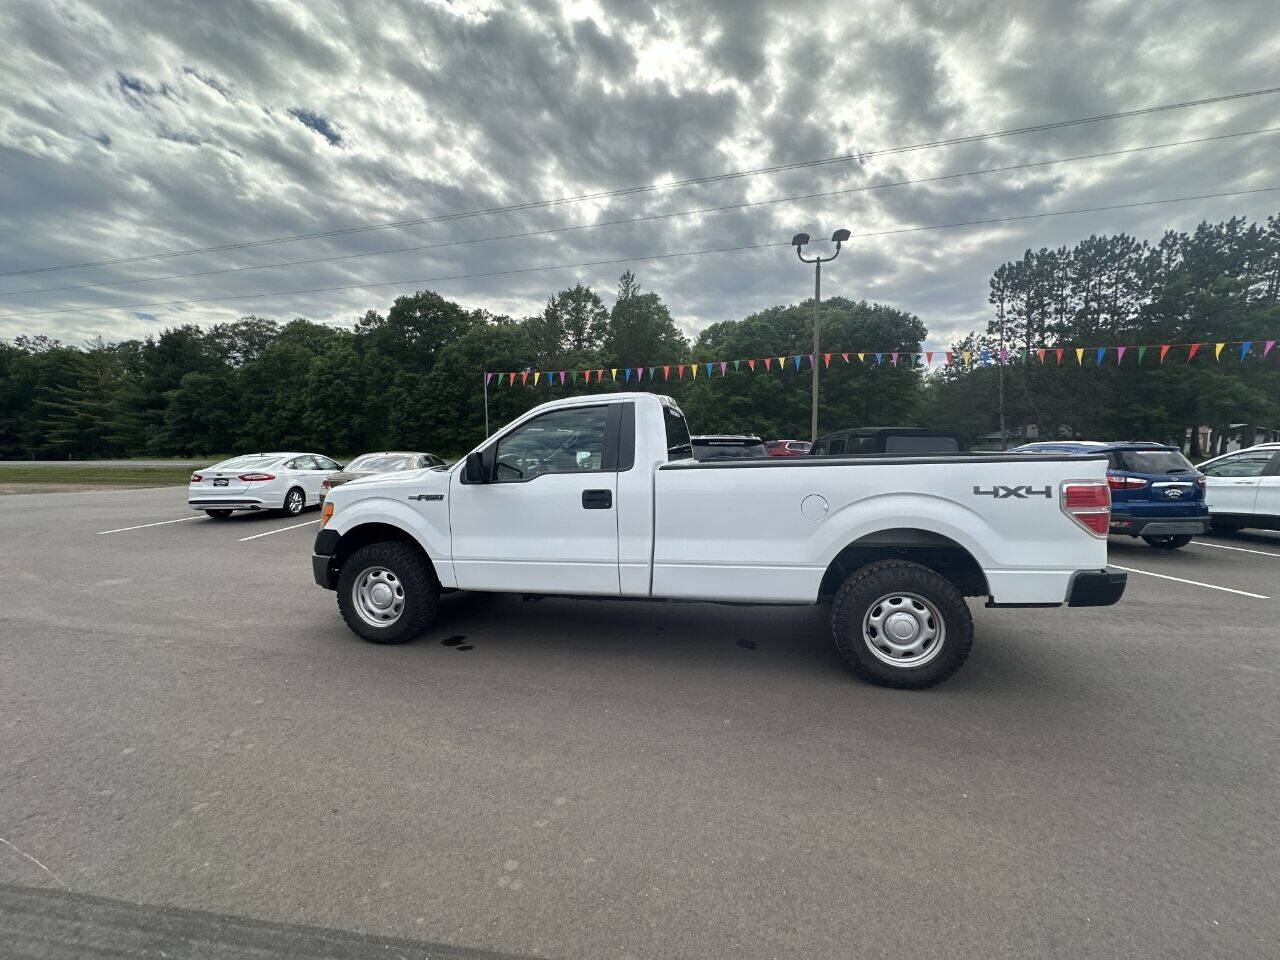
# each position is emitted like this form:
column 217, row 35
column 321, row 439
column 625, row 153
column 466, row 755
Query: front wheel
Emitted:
column 387, row 593
column 900, row 624
column 1169, row 542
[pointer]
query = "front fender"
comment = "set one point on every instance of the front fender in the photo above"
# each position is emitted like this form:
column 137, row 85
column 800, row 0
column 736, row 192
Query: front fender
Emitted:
column 431, row 535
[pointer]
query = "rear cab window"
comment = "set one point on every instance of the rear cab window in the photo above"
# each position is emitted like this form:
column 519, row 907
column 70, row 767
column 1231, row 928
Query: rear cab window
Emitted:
column 679, row 446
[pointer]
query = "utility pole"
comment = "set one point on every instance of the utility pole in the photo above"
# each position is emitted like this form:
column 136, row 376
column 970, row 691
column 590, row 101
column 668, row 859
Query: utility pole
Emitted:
column 1004, row 437
column 798, row 241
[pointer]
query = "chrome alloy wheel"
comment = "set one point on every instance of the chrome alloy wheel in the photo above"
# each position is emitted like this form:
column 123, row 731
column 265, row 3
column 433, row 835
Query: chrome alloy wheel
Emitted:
column 294, row 502
column 378, row 596
column 903, row 630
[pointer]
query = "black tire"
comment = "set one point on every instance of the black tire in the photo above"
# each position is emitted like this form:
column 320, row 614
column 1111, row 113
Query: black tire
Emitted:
column 864, row 590
column 409, row 573
column 295, row 501
column 1225, row 527
column 219, row 514
column 1169, row 542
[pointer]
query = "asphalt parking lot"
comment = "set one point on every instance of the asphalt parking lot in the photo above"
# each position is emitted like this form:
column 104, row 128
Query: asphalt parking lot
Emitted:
column 188, row 723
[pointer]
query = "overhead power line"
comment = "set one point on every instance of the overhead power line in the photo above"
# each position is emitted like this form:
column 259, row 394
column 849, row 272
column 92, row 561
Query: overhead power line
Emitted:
column 674, row 184
column 634, row 259
column 646, row 218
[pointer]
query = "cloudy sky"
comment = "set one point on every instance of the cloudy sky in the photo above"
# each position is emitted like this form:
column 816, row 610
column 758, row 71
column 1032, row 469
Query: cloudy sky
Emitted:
column 134, row 129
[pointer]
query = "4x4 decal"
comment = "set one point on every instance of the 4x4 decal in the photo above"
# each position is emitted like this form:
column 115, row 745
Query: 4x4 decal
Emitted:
column 1018, row 493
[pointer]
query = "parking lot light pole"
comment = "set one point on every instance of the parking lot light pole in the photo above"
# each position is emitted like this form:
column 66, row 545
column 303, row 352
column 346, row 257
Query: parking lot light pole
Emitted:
column 798, row 241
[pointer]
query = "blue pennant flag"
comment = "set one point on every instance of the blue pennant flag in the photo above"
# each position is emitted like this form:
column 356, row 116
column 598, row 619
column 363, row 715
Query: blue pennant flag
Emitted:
column 1102, row 352
column 983, row 355
column 1244, row 348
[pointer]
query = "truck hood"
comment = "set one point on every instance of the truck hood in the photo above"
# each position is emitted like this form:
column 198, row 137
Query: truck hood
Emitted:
column 397, row 486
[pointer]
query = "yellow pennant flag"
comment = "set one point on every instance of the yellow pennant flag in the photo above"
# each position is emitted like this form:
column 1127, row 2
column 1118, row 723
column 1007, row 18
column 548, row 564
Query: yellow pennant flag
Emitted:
column 966, row 354
column 693, row 369
column 1217, row 350
column 862, row 357
column 613, row 373
column 1080, row 356
column 536, row 375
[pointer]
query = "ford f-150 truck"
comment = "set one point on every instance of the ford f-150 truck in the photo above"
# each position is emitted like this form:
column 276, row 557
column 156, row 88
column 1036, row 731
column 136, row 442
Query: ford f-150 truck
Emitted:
column 601, row 497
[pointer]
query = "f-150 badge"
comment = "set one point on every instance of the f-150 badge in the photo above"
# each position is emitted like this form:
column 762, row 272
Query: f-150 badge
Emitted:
column 1017, row 493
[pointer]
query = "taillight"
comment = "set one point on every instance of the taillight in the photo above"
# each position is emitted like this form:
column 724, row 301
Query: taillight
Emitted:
column 1125, row 483
column 325, row 484
column 1088, row 503
column 255, row 477
column 196, row 477
column 1200, row 482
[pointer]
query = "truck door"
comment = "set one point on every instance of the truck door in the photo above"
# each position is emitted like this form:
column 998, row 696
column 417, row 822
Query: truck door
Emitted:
column 546, row 521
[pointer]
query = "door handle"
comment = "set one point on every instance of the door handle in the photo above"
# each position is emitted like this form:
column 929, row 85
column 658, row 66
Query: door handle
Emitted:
column 597, row 499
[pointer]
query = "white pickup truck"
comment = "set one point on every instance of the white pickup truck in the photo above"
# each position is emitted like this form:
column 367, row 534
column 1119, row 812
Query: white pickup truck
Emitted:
column 600, row 497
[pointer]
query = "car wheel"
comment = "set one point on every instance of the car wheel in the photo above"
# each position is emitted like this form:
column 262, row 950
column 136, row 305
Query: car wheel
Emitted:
column 900, row 624
column 386, row 593
column 294, row 502
column 1170, row 542
column 219, row 514
column 1222, row 527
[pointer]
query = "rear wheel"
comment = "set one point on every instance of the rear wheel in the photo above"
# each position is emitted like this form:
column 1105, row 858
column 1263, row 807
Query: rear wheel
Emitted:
column 219, row 514
column 294, row 501
column 387, row 593
column 900, row 624
column 1169, row 542
column 1225, row 526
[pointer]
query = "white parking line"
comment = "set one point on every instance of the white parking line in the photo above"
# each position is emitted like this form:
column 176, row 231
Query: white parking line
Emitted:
column 158, row 523
column 1194, row 583
column 279, row 530
column 1223, row 546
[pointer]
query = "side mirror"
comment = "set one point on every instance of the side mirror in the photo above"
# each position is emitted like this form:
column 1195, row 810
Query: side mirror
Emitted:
column 474, row 471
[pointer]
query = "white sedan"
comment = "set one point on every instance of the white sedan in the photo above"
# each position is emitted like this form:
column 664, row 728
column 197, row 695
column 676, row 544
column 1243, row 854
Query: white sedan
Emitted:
column 1243, row 488
column 260, row 481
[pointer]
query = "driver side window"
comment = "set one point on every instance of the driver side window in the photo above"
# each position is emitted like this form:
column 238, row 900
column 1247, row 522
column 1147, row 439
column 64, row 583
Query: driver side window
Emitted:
column 1242, row 465
column 562, row 441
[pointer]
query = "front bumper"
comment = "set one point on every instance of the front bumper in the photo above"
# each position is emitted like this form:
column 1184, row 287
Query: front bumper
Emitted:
column 1160, row 527
column 1099, row 588
column 323, row 569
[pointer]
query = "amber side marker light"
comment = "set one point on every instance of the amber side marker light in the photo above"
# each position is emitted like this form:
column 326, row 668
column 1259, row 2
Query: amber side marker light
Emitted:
column 325, row 514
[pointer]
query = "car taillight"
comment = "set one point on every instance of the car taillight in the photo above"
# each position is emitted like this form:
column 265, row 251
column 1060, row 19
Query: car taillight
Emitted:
column 325, row 484
column 196, row 477
column 1088, row 503
column 1200, row 482
column 254, row 477
column 1125, row 483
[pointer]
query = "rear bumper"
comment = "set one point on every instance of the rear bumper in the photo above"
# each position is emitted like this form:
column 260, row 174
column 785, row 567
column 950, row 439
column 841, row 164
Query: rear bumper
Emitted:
column 1099, row 588
column 227, row 503
column 1160, row 527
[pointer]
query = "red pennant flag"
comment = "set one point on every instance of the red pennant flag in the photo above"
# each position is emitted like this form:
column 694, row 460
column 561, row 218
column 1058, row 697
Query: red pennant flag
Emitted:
column 752, row 365
column 846, row 357
column 768, row 361
column 599, row 375
column 928, row 357
column 826, row 359
column 586, row 377
column 666, row 373
column 1192, row 352
column 1164, row 348
column 949, row 355
column 1040, row 354
column 680, row 372
column 511, row 379
column 1059, row 353
column 524, row 378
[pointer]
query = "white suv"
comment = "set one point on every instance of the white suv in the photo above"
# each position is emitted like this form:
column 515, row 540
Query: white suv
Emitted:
column 260, row 481
column 1243, row 488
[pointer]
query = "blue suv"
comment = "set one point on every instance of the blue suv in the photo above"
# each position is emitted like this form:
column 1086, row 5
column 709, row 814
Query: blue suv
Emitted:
column 1156, row 493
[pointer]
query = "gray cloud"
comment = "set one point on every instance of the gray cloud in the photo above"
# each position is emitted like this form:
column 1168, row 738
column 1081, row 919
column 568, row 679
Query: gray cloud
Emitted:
column 126, row 130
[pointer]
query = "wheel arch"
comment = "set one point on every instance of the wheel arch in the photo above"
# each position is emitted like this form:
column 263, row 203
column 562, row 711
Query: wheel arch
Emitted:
column 376, row 531
column 931, row 549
